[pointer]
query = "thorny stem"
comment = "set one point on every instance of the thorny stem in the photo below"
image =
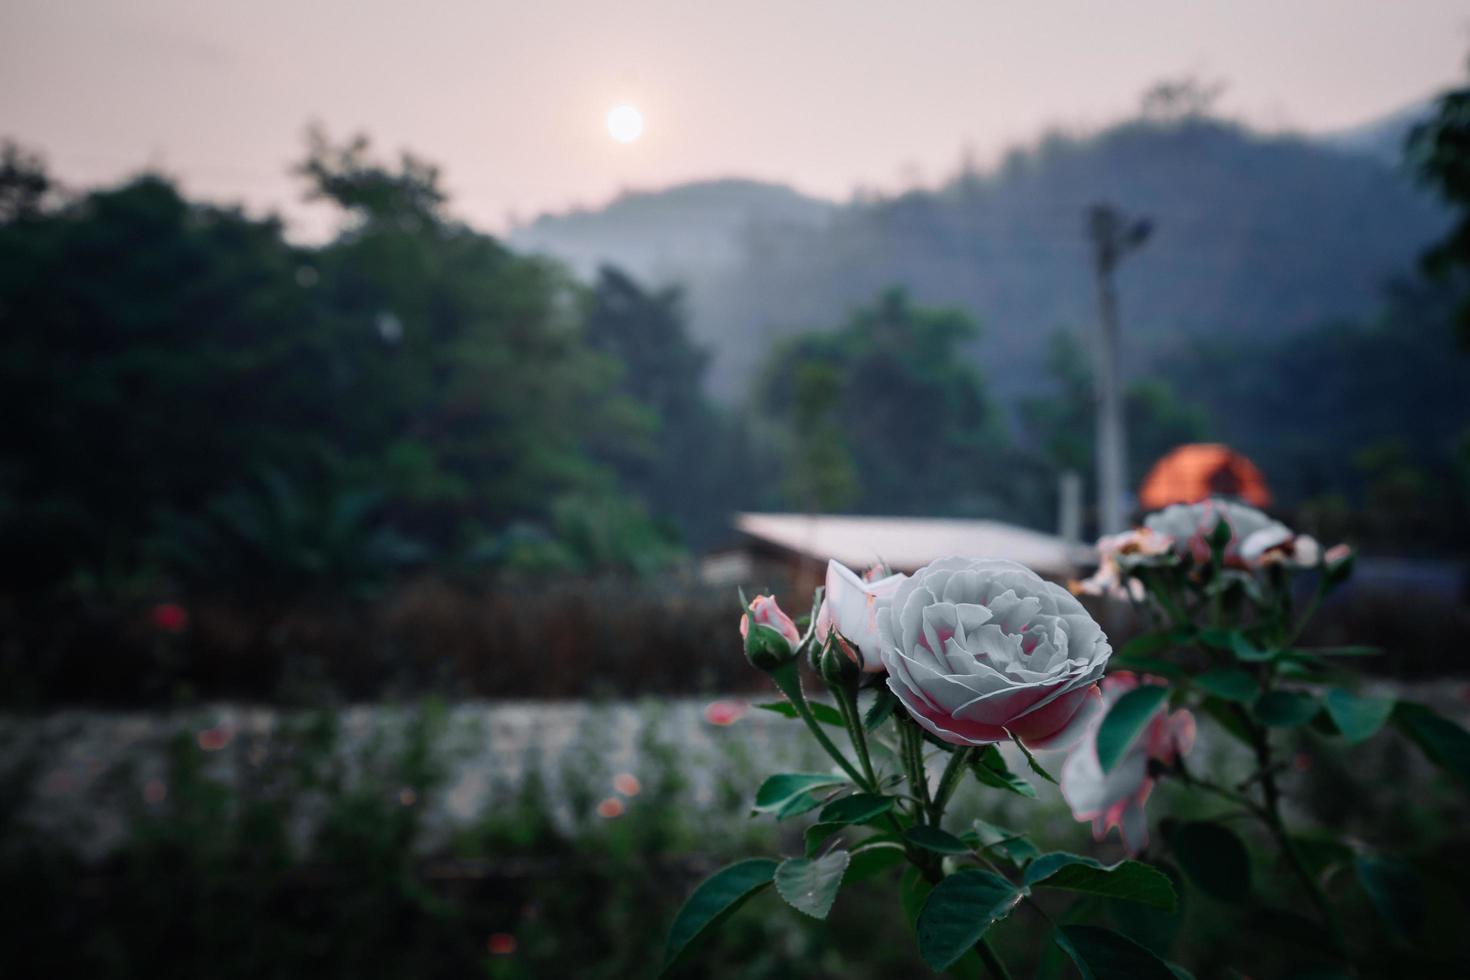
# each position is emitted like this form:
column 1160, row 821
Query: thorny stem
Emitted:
column 788, row 680
column 847, row 704
column 950, row 780
column 1270, row 814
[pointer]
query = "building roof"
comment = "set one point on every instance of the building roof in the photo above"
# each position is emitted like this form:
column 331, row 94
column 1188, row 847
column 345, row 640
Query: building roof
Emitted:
column 906, row 543
column 1199, row 470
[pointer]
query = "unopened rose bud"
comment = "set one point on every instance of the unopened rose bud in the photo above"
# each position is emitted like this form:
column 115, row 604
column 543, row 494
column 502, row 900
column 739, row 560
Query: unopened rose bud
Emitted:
column 839, row 668
column 771, row 640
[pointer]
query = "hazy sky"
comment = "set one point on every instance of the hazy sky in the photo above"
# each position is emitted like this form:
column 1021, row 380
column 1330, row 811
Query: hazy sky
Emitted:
column 510, row 97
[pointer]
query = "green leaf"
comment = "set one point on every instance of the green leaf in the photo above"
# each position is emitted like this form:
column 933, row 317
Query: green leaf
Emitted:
column 715, row 900
column 1234, row 642
column 1125, row 721
column 936, row 840
column 810, row 885
column 990, row 768
column 818, row 833
column 958, row 911
column 1214, row 859
column 1344, row 651
column 1228, row 683
column 1131, row 881
column 1013, row 844
column 824, row 713
column 1395, row 891
column 1031, row 761
column 797, row 805
column 1445, row 743
column 1148, row 644
column 881, row 709
column 1227, row 718
column 1286, row 709
column 1150, row 665
column 913, row 890
column 1102, row 954
column 1358, row 718
column 779, row 790
column 869, row 860
column 857, row 808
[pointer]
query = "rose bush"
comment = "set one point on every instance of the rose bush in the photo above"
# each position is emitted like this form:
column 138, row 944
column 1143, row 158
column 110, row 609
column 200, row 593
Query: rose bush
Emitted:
column 980, row 649
column 850, row 606
column 1116, row 798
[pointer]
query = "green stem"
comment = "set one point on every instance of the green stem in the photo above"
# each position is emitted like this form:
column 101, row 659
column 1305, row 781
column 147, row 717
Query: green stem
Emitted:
column 788, row 680
column 992, row 961
column 950, row 780
column 1271, row 815
column 913, row 758
column 847, row 704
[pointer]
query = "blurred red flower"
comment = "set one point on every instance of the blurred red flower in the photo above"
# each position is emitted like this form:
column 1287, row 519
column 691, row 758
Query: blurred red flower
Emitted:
column 501, row 944
column 724, row 712
column 170, row 617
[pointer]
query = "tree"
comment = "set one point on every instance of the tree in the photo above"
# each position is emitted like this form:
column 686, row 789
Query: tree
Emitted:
column 892, row 391
column 1439, row 151
column 693, row 466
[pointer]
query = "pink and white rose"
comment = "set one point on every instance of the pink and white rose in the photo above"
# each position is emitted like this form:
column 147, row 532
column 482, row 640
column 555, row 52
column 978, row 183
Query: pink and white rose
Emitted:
column 767, row 612
column 1117, row 554
column 981, row 649
column 850, row 606
column 1116, row 798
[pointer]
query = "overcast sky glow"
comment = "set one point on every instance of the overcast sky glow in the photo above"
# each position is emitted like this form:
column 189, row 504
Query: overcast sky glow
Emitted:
column 511, row 97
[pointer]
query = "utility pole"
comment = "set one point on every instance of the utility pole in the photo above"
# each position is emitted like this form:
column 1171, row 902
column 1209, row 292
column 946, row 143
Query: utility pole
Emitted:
column 1112, row 237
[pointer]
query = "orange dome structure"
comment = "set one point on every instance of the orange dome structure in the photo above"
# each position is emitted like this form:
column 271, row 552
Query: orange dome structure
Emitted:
column 1198, row 470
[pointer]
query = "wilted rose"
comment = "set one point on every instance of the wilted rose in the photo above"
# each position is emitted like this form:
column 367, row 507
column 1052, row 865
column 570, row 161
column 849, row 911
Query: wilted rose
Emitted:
column 1189, row 526
column 850, row 606
column 980, row 649
column 1116, row 798
column 1117, row 555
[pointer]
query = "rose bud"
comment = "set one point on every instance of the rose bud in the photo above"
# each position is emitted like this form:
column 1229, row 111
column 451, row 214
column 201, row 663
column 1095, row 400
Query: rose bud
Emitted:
column 838, row 665
column 979, row 650
column 773, row 638
column 1116, row 798
column 850, row 607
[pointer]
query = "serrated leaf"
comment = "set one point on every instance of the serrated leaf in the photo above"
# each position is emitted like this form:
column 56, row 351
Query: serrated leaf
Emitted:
column 856, row 808
column 1036, row 767
column 1285, row 709
column 1131, row 881
column 824, row 713
column 1395, row 891
column 1228, row 683
column 810, row 885
column 778, row 790
column 990, row 768
column 714, row 900
column 1102, row 954
column 1016, row 847
column 1356, row 717
column 1214, row 859
column 936, row 840
column 881, row 709
column 1445, row 743
column 818, row 834
column 958, row 911
column 1125, row 721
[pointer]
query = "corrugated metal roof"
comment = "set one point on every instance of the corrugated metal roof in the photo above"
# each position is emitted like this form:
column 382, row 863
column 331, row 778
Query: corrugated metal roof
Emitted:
column 906, row 543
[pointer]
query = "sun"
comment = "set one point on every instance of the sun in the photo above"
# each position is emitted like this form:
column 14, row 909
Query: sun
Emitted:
column 625, row 123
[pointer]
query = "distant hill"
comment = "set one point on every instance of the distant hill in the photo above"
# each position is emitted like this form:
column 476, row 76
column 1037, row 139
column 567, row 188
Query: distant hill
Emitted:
column 665, row 234
column 1255, row 236
column 1383, row 139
